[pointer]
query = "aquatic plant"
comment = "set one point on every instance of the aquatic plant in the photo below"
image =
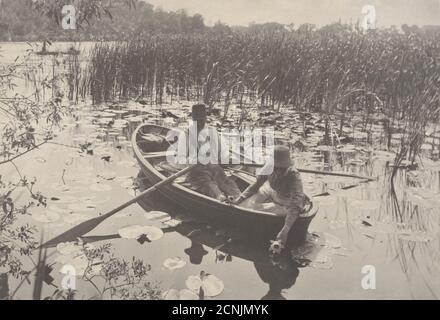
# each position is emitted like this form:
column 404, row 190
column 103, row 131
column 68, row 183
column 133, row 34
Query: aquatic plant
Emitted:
column 338, row 70
column 119, row 279
column 27, row 123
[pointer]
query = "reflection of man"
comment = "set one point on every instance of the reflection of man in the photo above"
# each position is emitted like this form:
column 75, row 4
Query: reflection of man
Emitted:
column 196, row 252
column 209, row 179
column 278, row 277
column 280, row 192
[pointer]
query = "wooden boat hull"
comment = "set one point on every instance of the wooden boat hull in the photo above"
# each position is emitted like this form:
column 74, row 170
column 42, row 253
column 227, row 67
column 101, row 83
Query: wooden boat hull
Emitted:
column 254, row 224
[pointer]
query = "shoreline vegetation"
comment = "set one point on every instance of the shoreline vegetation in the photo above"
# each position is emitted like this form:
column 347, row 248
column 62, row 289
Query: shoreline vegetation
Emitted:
column 24, row 20
column 387, row 77
column 332, row 88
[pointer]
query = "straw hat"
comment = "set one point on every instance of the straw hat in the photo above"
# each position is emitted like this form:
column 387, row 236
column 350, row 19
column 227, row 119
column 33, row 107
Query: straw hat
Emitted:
column 198, row 111
column 281, row 157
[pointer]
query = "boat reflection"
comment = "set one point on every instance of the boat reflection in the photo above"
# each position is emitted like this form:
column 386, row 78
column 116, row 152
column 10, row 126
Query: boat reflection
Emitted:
column 279, row 273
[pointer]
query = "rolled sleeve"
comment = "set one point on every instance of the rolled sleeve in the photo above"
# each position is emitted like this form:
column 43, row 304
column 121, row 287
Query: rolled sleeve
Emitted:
column 252, row 189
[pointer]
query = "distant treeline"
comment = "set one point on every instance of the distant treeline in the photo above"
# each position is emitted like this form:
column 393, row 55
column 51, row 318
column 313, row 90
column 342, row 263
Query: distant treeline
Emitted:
column 20, row 22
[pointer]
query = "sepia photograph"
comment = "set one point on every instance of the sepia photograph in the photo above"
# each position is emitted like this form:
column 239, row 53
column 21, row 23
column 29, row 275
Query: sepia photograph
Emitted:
column 220, row 150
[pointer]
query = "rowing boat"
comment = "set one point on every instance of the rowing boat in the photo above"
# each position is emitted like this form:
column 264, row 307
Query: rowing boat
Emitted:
column 150, row 146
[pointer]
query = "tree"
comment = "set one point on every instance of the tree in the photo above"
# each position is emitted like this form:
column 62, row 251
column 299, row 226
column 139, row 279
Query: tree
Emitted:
column 85, row 10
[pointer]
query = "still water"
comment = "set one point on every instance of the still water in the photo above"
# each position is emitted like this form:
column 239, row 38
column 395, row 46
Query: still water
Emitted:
column 354, row 228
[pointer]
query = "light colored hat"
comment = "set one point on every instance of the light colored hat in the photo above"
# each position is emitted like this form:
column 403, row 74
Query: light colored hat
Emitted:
column 281, row 157
column 198, row 111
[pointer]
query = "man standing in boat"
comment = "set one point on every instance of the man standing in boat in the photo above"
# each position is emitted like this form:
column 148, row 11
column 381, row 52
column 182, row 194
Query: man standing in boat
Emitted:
column 281, row 192
column 208, row 178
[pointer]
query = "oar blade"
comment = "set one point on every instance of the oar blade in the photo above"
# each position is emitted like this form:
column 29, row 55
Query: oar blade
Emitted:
column 75, row 232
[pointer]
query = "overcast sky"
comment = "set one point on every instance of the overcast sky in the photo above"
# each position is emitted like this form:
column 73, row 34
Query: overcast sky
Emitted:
column 319, row 12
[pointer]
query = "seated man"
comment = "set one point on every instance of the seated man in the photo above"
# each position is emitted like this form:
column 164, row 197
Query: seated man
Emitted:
column 280, row 193
column 210, row 179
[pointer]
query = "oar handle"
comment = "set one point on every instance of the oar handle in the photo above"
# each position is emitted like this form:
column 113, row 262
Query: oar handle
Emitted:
column 324, row 173
column 87, row 226
column 149, row 190
column 329, row 173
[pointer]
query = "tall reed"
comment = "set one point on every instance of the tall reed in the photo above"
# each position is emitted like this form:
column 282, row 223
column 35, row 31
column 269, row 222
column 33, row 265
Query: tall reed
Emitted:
column 334, row 69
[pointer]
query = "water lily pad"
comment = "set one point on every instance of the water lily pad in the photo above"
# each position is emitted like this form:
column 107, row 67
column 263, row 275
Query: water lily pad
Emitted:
column 186, row 294
column 46, row 216
column 211, row 285
column 135, row 231
column 155, row 215
column 131, row 232
column 165, row 219
column 171, row 223
column 183, row 294
column 193, row 283
column 174, row 263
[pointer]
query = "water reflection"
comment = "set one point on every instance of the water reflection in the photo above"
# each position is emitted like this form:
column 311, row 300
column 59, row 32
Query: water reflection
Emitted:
column 397, row 223
column 367, row 217
column 196, row 252
column 279, row 273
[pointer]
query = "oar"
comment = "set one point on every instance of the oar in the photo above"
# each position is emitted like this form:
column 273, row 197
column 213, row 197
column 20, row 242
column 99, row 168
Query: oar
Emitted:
column 324, row 173
column 251, row 179
column 337, row 174
column 87, row 226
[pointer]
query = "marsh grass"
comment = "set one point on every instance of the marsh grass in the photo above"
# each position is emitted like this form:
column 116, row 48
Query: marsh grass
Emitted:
column 337, row 69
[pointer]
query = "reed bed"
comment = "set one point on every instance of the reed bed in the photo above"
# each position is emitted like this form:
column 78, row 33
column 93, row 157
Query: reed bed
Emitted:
column 334, row 69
